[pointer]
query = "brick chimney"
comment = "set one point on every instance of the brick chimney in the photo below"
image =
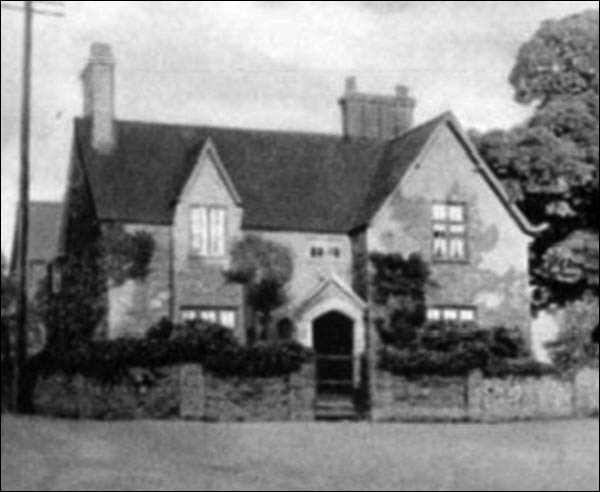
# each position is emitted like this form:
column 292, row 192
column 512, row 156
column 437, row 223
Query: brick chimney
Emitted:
column 374, row 116
column 98, row 80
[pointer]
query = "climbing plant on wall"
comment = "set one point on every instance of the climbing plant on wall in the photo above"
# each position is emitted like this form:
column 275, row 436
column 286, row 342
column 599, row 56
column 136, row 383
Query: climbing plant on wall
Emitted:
column 74, row 310
column 399, row 289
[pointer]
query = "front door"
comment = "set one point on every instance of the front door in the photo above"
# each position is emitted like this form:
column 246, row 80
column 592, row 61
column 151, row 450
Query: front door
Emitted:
column 333, row 336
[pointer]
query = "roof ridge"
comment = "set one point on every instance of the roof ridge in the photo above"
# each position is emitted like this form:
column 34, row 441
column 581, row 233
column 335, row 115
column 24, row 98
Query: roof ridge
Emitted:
column 271, row 131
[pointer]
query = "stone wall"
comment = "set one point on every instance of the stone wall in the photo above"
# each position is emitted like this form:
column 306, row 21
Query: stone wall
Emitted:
column 493, row 400
column 211, row 398
column 424, row 399
column 479, row 399
column 186, row 392
column 141, row 394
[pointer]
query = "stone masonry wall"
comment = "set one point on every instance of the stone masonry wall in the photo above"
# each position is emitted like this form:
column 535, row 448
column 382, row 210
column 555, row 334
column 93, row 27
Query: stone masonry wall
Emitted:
column 478, row 399
column 210, row 398
column 425, row 399
column 186, row 392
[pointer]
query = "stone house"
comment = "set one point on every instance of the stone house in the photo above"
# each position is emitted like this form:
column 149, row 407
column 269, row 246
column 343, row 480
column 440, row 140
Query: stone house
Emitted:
column 383, row 185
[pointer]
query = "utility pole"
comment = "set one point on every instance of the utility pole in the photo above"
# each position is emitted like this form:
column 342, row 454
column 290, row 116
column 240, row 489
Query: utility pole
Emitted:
column 20, row 351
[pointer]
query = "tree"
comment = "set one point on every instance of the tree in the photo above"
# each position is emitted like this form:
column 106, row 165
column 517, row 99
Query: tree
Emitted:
column 549, row 164
column 264, row 268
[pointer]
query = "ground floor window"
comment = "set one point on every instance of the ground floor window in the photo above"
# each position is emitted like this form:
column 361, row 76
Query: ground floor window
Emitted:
column 460, row 314
column 226, row 317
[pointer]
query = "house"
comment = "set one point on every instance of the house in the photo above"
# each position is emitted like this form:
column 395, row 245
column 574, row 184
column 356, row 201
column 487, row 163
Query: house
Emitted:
column 45, row 220
column 383, row 185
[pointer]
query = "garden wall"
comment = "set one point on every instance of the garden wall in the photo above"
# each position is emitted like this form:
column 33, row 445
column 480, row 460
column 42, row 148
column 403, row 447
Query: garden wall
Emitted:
column 187, row 392
column 424, row 399
column 478, row 399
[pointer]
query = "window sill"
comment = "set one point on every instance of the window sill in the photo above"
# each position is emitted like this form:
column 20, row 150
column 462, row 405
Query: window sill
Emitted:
column 451, row 262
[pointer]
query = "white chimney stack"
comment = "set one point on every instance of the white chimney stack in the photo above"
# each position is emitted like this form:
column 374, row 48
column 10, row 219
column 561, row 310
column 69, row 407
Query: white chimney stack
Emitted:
column 98, row 80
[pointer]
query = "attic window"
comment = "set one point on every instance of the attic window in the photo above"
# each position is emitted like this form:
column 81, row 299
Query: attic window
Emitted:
column 208, row 231
column 450, row 232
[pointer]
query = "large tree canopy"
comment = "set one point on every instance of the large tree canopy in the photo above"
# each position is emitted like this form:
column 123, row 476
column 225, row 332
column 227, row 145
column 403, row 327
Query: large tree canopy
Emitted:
column 550, row 163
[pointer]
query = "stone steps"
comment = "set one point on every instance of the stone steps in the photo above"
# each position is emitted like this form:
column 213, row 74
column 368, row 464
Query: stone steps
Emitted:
column 335, row 409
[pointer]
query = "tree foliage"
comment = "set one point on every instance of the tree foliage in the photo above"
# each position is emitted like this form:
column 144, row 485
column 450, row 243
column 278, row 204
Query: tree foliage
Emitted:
column 264, row 268
column 550, row 163
column 577, row 342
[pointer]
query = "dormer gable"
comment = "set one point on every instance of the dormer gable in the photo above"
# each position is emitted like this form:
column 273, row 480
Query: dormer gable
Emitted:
column 209, row 182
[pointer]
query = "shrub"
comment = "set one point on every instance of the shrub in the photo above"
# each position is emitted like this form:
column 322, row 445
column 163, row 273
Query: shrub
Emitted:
column 212, row 346
column 575, row 347
column 452, row 349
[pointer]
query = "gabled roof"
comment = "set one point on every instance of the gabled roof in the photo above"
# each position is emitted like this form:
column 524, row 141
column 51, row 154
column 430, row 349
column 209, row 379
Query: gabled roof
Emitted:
column 396, row 160
column 286, row 181
column 44, row 230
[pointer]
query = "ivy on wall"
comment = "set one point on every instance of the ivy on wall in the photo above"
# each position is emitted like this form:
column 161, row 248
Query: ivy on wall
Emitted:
column 399, row 289
column 74, row 311
column 125, row 256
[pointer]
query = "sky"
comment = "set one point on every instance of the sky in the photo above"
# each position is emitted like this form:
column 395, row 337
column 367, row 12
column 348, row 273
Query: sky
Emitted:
column 273, row 65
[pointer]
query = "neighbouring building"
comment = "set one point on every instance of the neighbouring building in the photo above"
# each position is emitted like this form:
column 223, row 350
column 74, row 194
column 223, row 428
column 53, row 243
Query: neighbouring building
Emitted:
column 45, row 219
column 382, row 185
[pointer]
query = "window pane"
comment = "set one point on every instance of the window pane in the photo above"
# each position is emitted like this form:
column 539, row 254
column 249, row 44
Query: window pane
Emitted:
column 434, row 314
column 189, row 315
column 467, row 315
column 217, row 232
column 209, row 316
column 450, row 315
column 440, row 247
column 440, row 212
column 227, row 318
column 457, row 213
column 458, row 249
column 458, row 229
column 199, row 230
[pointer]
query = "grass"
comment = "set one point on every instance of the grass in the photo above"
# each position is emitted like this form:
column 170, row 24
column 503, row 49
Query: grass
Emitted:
column 41, row 454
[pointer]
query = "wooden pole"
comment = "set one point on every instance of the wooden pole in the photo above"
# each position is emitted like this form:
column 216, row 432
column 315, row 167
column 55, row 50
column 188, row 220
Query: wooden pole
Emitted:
column 22, row 307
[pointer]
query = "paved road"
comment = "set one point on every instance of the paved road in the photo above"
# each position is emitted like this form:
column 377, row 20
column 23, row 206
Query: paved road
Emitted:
column 56, row 455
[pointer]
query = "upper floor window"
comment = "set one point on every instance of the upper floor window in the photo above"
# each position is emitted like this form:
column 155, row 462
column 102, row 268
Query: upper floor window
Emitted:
column 321, row 251
column 450, row 232
column 208, row 231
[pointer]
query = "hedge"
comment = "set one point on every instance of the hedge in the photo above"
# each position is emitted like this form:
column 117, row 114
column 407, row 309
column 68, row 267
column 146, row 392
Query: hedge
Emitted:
column 457, row 350
column 212, row 346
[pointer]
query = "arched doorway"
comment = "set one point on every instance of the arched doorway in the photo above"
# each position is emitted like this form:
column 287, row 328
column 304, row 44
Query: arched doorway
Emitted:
column 333, row 342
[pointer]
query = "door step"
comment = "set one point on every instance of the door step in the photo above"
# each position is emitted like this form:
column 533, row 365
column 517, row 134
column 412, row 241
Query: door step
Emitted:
column 336, row 409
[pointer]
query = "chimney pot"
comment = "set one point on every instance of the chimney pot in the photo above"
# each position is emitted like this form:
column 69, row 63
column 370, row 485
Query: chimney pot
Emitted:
column 402, row 91
column 351, row 85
